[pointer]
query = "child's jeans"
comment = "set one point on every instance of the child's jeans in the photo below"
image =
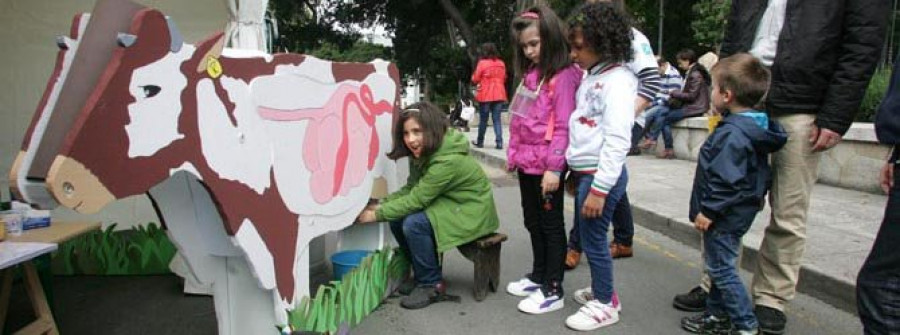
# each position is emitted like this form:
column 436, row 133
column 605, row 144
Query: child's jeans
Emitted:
column 727, row 294
column 593, row 234
column 416, row 239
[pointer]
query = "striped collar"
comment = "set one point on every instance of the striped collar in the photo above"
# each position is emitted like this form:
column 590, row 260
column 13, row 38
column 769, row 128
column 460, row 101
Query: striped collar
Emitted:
column 602, row 67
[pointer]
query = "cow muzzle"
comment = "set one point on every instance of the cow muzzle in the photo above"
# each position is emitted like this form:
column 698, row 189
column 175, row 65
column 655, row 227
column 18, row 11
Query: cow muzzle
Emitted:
column 74, row 186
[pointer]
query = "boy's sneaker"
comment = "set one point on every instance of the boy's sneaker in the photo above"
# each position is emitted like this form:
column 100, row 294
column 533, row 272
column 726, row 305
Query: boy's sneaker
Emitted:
column 537, row 303
column 407, row 286
column 744, row 332
column 522, row 287
column 706, row 323
column 584, row 295
column 693, row 301
column 593, row 315
column 771, row 321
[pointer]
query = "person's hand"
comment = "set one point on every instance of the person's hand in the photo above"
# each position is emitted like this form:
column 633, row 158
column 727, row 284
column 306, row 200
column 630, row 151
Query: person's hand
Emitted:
column 886, row 178
column 823, row 139
column 367, row 216
column 550, row 182
column 593, row 206
column 702, row 222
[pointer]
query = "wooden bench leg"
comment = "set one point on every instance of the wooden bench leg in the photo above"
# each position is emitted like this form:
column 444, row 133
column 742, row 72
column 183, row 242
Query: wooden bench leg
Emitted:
column 487, row 271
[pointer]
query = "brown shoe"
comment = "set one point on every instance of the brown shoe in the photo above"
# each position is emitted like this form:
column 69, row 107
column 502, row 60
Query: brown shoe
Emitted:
column 617, row 250
column 647, row 143
column 573, row 257
column 666, row 154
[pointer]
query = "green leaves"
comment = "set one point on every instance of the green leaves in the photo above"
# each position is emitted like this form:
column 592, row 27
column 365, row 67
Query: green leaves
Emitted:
column 141, row 250
column 345, row 303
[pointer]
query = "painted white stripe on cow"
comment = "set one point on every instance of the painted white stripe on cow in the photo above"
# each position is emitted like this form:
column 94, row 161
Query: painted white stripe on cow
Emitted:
column 262, row 263
column 239, row 152
column 153, row 116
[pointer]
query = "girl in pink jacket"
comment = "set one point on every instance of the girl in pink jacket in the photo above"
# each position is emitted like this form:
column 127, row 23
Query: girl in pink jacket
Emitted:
column 537, row 150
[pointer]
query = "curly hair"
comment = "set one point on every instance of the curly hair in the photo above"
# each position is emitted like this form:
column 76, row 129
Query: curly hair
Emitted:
column 606, row 30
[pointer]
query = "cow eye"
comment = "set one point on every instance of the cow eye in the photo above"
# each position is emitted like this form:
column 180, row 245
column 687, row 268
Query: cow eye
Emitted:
column 150, row 90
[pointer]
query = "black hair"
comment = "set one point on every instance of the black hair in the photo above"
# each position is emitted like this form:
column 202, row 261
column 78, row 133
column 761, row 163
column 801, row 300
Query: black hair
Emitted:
column 433, row 124
column 554, row 47
column 606, row 30
column 489, row 51
column 688, row 55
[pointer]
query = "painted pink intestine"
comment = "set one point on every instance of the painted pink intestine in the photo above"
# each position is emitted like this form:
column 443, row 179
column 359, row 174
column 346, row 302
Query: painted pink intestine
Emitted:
column 340, row 136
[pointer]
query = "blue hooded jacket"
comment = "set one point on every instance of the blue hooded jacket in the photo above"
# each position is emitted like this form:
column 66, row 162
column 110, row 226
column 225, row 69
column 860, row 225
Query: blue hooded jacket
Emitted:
column 733, row 172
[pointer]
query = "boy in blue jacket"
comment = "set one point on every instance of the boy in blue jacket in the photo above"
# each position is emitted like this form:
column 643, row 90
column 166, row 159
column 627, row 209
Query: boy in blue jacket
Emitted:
column 730, row 185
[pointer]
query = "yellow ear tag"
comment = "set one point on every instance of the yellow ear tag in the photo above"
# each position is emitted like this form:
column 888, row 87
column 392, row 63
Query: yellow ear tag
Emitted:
column 213, row 67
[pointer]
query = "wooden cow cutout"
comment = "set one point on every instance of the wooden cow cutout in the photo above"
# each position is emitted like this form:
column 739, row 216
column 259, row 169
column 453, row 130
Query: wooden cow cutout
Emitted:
column 246, row 156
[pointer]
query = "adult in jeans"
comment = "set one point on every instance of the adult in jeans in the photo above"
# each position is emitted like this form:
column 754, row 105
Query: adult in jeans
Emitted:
column 878, row 283
column 826, row 53
column 650, row 119
column 694, row 98
column 490, row 76
column 447, row 200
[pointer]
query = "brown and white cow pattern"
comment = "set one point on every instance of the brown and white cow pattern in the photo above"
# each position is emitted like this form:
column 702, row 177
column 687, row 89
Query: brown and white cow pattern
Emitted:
column 288, row 146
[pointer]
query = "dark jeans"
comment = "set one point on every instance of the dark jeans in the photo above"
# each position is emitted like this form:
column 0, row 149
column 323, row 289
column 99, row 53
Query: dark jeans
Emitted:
column 878, row 283
column 494, row 108
column 665, row 119
column 727, row 294
column 416, row 239
column 653, row 122
column 547, row 230
column 593, row 234
column 622, row 222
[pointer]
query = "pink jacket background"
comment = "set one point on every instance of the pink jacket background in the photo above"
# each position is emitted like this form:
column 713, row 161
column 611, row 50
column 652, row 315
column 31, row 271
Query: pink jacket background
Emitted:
column 529, row 151
column 490, row 76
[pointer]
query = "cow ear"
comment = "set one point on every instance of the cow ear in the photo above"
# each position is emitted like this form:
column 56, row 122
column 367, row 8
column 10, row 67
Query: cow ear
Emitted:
column 214, row 52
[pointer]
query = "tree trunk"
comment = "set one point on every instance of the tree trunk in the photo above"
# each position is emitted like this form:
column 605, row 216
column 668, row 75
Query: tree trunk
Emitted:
column 464, row 29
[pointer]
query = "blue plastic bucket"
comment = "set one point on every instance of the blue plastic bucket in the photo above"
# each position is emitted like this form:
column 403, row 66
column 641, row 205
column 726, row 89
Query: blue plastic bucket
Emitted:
column 344, row 261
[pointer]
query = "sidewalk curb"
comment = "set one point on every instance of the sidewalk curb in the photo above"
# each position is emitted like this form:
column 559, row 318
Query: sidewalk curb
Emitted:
column 833, row 291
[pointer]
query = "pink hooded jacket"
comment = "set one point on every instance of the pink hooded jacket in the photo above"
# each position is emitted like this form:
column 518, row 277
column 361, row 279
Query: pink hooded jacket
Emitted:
column 529, row 150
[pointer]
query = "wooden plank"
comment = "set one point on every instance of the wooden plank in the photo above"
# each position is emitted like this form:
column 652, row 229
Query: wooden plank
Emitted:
column 5, row 291
column 57, row 232
column 45, row 322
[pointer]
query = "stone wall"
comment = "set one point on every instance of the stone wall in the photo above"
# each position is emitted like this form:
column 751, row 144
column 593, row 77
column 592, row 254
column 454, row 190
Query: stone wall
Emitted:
column 853, row 164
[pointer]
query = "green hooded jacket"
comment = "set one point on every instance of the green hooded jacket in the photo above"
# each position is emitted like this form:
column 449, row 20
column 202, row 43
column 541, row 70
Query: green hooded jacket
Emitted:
column 452, row 189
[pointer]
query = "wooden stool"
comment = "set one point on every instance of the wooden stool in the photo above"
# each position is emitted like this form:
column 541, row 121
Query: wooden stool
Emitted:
column 485, row 253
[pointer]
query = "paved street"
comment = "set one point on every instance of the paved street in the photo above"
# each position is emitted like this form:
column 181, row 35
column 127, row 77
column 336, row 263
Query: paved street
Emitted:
column 646, row 283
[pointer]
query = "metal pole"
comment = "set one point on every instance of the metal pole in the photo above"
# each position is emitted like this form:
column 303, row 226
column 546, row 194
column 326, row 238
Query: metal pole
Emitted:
column 659, row 43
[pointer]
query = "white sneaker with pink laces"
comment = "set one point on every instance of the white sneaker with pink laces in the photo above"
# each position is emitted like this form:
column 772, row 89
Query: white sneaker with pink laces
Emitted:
column 593, row 315
column 584, row 295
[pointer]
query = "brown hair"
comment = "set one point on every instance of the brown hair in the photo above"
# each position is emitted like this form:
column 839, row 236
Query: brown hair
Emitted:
column 554, row 47
column 433, row 124
column 743, row 75
column 489, row 51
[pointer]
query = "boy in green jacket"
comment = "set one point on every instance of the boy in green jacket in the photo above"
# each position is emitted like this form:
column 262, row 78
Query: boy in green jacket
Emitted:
column 447, row 200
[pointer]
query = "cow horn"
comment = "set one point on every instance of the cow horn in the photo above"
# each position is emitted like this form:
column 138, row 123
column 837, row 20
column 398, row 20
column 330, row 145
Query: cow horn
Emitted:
column 174, row 36
column 61, row 42
column 126, row 40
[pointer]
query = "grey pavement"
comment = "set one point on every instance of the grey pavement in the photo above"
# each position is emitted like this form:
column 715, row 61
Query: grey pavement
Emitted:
column 841, row 226
column 645, row 283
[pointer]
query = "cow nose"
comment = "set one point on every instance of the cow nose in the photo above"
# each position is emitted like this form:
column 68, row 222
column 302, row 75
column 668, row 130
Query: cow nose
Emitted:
column 74, row 186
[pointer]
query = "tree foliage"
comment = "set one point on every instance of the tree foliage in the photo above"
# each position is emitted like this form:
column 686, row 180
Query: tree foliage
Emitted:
column 709, row 22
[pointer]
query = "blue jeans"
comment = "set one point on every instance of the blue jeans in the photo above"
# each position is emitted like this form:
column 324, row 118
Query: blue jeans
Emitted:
column 416, row 239
column 653, row 122
column 593, row 234
column 622, row 222
column 494, row 108
column 727, row 294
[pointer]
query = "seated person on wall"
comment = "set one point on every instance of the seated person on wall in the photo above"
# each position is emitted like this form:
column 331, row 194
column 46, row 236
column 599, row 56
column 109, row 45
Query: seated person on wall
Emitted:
column 650, row 119
column 446, row 202
column 691, row 101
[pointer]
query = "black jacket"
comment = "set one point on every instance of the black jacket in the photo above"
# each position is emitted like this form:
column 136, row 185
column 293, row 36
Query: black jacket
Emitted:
column 733, row 173
column 887, row 121
column 826, row 53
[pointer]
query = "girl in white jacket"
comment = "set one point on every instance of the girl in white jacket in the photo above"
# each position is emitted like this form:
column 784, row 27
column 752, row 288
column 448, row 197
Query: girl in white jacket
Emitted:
column 599, row 139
